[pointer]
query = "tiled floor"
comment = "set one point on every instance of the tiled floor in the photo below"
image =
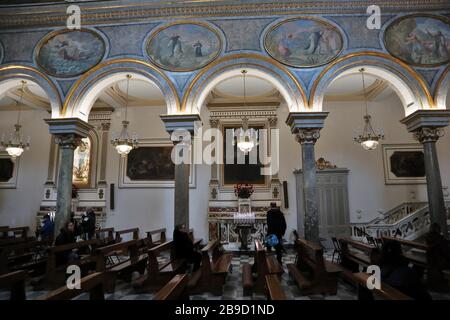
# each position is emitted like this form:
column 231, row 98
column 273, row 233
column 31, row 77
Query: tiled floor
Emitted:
column 232, row 289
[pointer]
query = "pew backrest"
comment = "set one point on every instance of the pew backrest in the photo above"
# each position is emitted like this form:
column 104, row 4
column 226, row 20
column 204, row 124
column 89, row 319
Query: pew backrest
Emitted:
column 162, row 237
column 175, row 289
column 133, row 231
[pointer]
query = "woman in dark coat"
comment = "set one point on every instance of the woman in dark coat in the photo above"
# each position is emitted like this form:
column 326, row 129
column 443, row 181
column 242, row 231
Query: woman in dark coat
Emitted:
column 184, row 247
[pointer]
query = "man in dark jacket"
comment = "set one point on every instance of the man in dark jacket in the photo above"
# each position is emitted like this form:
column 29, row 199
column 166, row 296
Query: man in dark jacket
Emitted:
column 276, row 224
column 88, row 224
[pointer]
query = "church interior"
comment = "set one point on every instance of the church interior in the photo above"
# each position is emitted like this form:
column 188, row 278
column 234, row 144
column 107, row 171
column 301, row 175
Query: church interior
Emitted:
column 224, row 150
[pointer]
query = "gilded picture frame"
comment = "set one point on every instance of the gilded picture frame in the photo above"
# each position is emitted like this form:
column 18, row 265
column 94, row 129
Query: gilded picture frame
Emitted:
column 11, row 173
column 287, row 45
column 68, row 58
column 421, row 44
column 403, row 164
column 194, row 48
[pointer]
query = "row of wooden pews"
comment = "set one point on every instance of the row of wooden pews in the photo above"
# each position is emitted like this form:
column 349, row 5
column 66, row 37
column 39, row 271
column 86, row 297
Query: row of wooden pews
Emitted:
column 254, row 277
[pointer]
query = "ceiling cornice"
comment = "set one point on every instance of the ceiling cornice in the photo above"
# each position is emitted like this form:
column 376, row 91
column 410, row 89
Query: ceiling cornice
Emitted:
column 135, row 11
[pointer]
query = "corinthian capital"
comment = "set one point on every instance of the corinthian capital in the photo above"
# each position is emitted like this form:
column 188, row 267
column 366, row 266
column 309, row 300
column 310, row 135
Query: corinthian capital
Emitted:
column 307, row 135
column 426, row 134
column 68, row 141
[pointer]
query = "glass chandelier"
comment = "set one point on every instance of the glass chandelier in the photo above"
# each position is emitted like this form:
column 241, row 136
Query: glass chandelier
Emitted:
column 15, row 145
column 369, row 139
column 247, row 138
column 124, row 143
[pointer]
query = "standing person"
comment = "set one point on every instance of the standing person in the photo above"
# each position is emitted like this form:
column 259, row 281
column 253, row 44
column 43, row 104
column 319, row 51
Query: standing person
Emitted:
column 46, row 231
column 276, row 224
column 184, row 246
column 88, row 224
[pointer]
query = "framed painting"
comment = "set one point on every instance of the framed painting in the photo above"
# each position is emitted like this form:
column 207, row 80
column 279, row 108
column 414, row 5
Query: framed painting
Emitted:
column 150, row 166
column 184, row 46
column 242, row 170
column 8, row 171
column 69, row 53
column 404, row 164
column 419, row 40
column 303, row 42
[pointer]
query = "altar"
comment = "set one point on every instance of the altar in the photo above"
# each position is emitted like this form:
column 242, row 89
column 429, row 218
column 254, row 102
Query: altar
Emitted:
column 225, row 205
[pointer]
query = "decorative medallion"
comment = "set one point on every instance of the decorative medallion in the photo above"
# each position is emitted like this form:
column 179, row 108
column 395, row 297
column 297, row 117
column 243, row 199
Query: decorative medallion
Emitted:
column 420, row 40
column 67, row 53
column 184, row 46
column 303, row 42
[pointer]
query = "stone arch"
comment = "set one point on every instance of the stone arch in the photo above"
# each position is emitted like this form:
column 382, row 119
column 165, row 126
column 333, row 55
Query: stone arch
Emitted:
column 442, row 89
column 410, row 87
column 12, row 75
column 86, row 90
column 277, row 74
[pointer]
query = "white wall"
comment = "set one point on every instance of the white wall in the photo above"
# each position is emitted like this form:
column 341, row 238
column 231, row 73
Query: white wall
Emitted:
column 150, row 208
column 18, row 207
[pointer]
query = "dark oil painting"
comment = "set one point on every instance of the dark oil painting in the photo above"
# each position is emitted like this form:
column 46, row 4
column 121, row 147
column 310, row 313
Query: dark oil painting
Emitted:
column 150, row 163
column 408, row 164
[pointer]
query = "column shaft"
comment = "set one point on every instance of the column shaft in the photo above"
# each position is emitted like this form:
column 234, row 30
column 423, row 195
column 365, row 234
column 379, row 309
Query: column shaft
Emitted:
column 182, row 194
column 434, row 186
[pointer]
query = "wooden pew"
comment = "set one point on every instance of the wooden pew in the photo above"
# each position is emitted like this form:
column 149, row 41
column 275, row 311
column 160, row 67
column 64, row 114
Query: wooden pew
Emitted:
column 92, row 283
column 18, row 232
column 274, row 289
column 355, row 254
column 134, row 261
column 133, row 231
column 424, row 259
column 158, row 274
column 312, row 272
column 27, row 255
column 196, row 242
column 55, row 273
column 15, row 283
column 106, row 236
column 264, row 265
column 175, row 289
column 215, row 266
column 161, row 239
column 386, row 292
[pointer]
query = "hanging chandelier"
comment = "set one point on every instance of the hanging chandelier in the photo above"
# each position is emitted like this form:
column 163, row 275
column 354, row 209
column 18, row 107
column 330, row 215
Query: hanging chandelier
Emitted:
column 15, row 146
column 247, row 138
column 124, row 143
column 369, row 139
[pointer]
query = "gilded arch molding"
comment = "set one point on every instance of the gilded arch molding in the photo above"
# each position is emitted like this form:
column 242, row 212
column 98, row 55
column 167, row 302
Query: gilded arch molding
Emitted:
column 276, row 73
column 82, row 95
column 409, row 85
column 11, row 75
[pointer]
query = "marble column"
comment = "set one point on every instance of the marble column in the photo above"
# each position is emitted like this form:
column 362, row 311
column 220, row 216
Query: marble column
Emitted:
column 68, row 133
column 103, row 155
column 306, row 126
column 426, row 126
column 175, row 125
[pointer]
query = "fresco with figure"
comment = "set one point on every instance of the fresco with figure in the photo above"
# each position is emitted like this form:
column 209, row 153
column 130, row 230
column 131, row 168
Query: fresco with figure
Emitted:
column 150, row 163
column 303, row 42
column 70, row 53
column 184, row 46
column 419, row 40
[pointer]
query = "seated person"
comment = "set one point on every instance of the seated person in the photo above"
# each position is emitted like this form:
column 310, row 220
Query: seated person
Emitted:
column 396, row 273
column 184, row 247
column 66, row 236
column 440, row 250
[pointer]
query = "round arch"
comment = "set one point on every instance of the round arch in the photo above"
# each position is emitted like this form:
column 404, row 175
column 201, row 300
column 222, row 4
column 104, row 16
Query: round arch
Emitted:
column 12, row 75
column 277, row 74
column 86, row 90
column 410, row 87
column 442, row 89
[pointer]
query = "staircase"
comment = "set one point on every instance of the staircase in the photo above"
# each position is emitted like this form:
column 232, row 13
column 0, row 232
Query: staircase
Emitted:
column 409, row 220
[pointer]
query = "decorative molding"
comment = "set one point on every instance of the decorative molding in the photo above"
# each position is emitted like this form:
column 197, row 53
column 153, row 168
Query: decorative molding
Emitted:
column 142, row 12
column 321, row 164
column 306, row 136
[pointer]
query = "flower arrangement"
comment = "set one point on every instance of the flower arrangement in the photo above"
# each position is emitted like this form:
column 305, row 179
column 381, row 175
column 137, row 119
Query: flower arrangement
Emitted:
column 243, row 191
